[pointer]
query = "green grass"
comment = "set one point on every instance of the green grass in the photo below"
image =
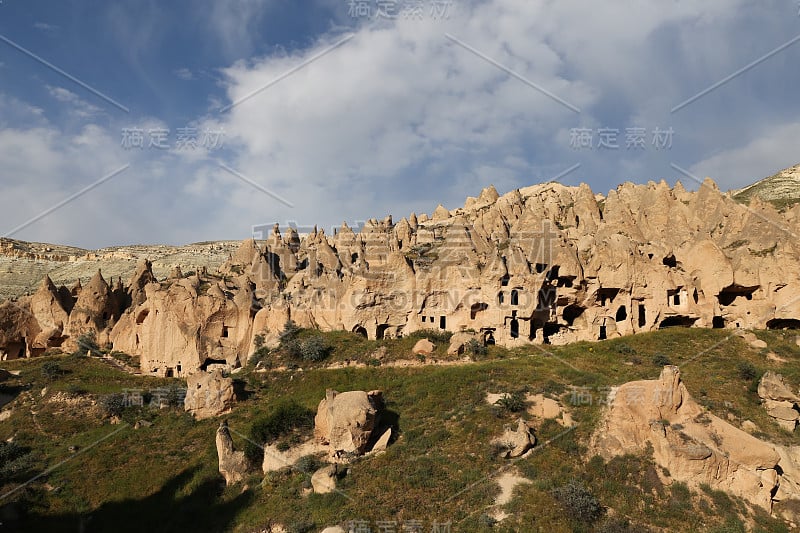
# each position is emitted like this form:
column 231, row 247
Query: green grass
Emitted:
column 164, row 477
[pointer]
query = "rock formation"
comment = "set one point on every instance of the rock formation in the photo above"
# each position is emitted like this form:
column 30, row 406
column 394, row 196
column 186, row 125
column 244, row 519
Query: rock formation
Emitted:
column 208, row 394
column 345, row 421
column 323, row 481
column 233, row 464
column 516, row 440
column 692, row 445
column 542, row 264
column 781, row 403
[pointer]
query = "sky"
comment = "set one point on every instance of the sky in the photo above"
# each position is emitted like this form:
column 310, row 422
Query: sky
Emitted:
column 139, row 121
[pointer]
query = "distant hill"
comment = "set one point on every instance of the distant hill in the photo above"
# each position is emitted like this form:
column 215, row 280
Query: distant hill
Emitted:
column 782, row 189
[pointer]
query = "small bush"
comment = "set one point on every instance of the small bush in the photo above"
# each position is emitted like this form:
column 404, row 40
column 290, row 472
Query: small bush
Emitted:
column 113, row 404
column 258, row 340
column 290, row 332
column 488, row 520
column 309, row 464
column 661, row 360
column 14, row 460
column 87, row 344
column 513, row 403
column 314, row 349
column 51, row 370
column 747, row 371
column 579, row 502
column 436, row 336
column 287, row 418
column 620, row 525
column 301, row 527
column 260, row 355
column 476, row 348
column 624, row 349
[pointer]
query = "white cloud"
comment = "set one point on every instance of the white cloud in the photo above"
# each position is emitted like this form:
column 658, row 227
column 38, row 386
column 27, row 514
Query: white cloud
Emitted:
column 401, row 118
column 44, row 26
column 184, row 74
column 76, row 105
column 774, row 150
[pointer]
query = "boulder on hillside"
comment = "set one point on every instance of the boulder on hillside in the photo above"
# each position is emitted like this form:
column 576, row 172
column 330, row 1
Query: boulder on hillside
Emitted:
column 345, row 421
column 208, row 394
column 423, row 347
column 515, row 441
column 773, row 386
column 323, row 481
column 233, row 464
column 779, row 400
column 459, row 341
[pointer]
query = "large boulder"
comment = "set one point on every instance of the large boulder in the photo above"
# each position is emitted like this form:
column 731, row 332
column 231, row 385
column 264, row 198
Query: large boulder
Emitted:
column 423, row 347
column 208, row 394
column 694, row 446
column 233, row 464
column 773, row 386
column 345, row 421
column 323, row 481
column 459, row 341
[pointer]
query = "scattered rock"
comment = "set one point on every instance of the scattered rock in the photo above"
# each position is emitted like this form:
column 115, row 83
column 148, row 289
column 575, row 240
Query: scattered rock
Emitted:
column 142, row 424
column 323, row 481
column 758, row 344
column 334, row 529
column 379, row 353
column 459, row 341
column 749, row 426
column 383, row 441
column 516, row 441
column 423, row 347
column 543, row 407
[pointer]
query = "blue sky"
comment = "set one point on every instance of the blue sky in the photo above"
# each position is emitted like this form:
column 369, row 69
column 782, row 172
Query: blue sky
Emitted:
column 348, row 110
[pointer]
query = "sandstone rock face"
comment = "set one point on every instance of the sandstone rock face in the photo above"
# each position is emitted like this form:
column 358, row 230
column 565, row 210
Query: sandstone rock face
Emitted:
column 208, row 394
column 696, row 447
column 345, row 421
column 541, row 264
column 787, row 497
column 233, row 464
column 516, row 440
column 780, row 402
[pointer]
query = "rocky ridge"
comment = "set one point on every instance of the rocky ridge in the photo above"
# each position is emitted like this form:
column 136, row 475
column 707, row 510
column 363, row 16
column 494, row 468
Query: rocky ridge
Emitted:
column 542, row 264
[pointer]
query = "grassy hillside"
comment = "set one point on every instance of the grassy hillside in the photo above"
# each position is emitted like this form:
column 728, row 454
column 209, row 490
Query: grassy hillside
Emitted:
column 100, row 476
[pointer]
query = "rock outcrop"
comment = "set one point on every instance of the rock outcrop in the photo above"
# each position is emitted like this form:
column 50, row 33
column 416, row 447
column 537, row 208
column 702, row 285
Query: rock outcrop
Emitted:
column 778, row 399
column 345, row 421
column 233, row 464
column 208, row 394
column 694, row 446
column 515, row 440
